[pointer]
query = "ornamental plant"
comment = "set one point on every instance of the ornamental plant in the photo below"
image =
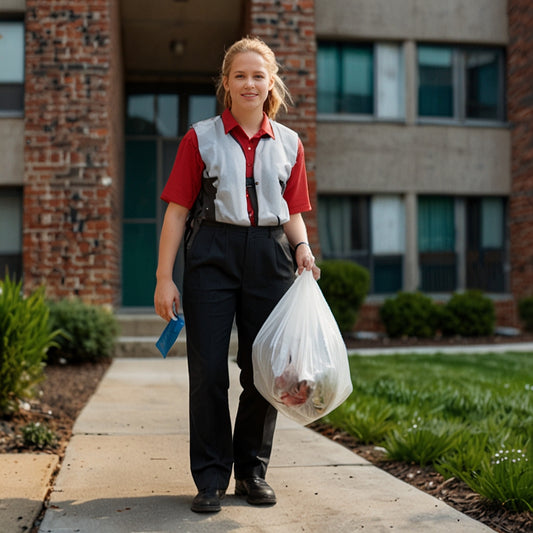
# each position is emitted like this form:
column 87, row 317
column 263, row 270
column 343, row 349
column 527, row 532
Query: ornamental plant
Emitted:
column 39, row 435
column 410, row 314
column 88, row 332
column 525, row 311
column 469, row 314
column 25, row 337
column 345, row 285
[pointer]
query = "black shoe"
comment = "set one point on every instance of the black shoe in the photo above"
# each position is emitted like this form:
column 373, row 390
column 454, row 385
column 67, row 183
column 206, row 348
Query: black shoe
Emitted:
column 256, row 490
column 208, row 501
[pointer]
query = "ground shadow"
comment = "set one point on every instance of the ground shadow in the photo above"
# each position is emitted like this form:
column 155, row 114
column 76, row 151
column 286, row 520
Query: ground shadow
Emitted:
column 158, row 513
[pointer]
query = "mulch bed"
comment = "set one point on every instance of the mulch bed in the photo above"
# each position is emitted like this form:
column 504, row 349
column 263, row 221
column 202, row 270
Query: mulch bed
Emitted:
column 61, row 397
column 66, row 389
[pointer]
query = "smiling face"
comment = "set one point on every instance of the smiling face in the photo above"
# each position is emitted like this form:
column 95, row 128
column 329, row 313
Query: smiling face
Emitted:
column 248, row 83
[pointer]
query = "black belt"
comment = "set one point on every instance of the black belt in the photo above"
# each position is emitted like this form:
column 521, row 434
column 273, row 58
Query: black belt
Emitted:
column 235, row 227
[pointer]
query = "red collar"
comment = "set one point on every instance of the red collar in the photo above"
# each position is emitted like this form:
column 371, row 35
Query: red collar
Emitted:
column 230, row 123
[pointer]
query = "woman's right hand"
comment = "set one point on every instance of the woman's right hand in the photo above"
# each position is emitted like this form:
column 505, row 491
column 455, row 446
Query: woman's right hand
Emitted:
column 166, row 299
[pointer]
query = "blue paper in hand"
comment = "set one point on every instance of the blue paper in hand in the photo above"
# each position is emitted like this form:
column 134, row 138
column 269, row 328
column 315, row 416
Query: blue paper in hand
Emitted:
column 169, row 335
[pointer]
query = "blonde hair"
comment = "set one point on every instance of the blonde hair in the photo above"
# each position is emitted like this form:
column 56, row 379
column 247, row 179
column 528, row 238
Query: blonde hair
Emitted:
column 277, row 97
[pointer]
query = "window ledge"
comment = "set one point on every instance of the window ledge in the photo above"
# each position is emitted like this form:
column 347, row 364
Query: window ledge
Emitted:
column 350, row 117
column 462, row 123
column 11, row 114
column 438, row 297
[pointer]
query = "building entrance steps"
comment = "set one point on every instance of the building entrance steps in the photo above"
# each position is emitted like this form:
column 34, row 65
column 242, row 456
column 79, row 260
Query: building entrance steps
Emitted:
column 140, row 331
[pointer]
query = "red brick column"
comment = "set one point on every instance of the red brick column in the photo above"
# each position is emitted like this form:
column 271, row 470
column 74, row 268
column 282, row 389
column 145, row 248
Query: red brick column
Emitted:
column 520, row 116
column 288, row 27
column 73, row 159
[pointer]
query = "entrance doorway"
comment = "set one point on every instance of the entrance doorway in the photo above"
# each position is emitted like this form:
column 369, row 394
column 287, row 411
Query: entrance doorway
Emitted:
column 155, row 124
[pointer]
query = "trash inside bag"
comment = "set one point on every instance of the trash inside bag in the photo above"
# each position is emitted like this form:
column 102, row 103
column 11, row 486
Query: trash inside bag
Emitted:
column 299, row 356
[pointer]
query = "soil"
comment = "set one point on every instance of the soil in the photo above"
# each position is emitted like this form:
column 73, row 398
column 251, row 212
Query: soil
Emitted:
column 59, row 400
column 67, row 388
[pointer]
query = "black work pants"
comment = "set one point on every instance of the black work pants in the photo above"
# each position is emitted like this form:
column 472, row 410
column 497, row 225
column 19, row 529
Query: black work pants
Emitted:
column 231, row 273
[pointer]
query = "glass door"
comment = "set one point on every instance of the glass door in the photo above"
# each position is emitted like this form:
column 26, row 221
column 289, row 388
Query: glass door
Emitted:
column 155, row 124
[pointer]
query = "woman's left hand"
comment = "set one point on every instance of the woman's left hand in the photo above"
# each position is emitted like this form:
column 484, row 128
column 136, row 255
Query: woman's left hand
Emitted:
column 306, row 260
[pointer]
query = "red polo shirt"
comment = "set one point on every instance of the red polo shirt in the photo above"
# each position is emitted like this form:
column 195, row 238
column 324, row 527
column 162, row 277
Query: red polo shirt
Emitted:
column 185, row 180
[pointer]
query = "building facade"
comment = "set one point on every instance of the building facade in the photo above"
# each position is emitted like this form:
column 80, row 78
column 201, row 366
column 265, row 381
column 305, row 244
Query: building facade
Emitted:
column 415, row 116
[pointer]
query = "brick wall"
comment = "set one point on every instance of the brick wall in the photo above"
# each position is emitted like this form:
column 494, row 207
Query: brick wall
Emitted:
column 520, row 116
column 73, row 154
column 288, row 27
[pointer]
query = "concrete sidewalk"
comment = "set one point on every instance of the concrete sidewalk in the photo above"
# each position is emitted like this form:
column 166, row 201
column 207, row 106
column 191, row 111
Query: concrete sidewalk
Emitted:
column 127, row 470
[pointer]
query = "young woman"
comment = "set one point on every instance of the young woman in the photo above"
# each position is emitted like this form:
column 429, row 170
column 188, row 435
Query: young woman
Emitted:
column 236, row 192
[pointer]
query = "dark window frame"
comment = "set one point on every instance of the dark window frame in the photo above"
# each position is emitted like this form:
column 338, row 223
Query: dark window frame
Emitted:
column 460, row 89
column 485, row 265
column 12, row 260
column 12, row 94
column 438, row 265
column 340, row 47
column 364, row 255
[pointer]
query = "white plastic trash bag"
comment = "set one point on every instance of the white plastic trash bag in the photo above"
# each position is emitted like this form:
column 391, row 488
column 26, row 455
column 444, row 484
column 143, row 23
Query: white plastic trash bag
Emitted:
column 299, row 357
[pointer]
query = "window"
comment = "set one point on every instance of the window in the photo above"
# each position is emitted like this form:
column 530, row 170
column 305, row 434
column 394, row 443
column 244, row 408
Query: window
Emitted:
column 360, row 79
column 367, row 230
column 485, row 254
column 166, row 115
column 483, row 85
column 201, row 106
column 11, row 231
column 11, row 67
column 344, row 228
column 435, row 87
column 436, row 244
column 461, row 83
column 461, row 240
column 461, row 243
column 388, row 243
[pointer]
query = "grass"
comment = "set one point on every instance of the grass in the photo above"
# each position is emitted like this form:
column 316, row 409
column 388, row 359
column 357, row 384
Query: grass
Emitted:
column 469, row 415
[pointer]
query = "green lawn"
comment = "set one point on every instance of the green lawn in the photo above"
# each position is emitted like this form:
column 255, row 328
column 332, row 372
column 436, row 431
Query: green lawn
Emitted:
column 470, row 415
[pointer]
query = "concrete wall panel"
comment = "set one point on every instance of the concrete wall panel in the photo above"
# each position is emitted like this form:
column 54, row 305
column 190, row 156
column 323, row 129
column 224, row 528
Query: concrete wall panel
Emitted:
column 12, row 5
column 12, row 151
column 482, row 21
column 384, row 158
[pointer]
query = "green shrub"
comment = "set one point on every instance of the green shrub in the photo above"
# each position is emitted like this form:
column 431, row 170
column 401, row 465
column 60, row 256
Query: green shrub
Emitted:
column 40, row 436
column 25, row 337
column 89, row 332
column 344, row 285
column 470, row 314
column 525, row 311
column 410, row 314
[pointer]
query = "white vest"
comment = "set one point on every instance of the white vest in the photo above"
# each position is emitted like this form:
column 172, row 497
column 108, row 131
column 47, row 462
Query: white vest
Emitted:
column 225, row 174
